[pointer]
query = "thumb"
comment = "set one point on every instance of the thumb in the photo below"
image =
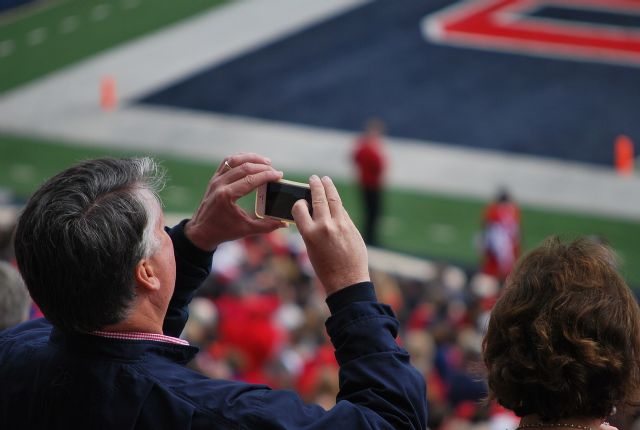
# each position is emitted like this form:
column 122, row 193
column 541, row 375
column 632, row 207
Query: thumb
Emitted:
column 301, row 216
column 266, row 225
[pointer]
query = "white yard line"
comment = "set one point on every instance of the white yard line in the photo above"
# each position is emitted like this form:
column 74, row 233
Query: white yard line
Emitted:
column 100, row 12
column 6, row 47
column 37, row 36
column 130, row 4
column 69, row 24
column 65, row 106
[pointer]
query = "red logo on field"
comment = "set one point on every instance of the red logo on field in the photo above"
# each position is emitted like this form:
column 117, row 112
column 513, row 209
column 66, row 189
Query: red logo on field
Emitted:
column 507, row 25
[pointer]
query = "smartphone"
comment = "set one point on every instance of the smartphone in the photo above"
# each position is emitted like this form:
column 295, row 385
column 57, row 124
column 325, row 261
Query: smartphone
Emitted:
column 276, row 199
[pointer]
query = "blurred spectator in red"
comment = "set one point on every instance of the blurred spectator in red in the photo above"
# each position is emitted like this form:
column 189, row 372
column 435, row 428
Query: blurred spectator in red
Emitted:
column 14, row 297
column 318, row 381
column 370, row 159
column 246, row 325
column 501, row 236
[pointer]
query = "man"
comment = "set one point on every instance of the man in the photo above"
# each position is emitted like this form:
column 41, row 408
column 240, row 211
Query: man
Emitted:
column 114, row 287
column 370, row 159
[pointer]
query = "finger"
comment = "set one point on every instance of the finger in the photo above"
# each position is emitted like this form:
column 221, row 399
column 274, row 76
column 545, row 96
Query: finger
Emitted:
column 223, row 167
column 301, row 215
column 248, row 183
column 333, row 197
column 318, row 198
column 239, row 159
column 243, row 170
column 266, row 225
column 249, row 157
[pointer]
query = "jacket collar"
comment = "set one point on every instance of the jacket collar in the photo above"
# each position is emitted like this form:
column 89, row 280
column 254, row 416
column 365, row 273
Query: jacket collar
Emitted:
column 120, row 349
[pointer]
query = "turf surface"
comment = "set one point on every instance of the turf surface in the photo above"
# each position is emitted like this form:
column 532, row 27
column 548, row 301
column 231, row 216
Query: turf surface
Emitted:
column 38, row 40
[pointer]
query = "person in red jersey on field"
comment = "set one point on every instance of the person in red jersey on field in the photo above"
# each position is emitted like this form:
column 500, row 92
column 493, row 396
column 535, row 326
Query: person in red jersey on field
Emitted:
column 371, row 160
column 501, row 236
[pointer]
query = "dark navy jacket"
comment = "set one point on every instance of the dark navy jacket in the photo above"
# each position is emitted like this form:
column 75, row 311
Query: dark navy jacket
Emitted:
column 51, row 379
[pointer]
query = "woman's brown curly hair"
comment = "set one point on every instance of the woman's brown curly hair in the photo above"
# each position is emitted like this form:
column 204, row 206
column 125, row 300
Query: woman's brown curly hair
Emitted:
column 564, row 337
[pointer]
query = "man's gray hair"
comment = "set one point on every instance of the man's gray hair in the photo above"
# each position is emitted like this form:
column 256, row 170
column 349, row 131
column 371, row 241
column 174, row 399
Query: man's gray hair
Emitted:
column 152, row 183
column 81, row 236
column 14, row 298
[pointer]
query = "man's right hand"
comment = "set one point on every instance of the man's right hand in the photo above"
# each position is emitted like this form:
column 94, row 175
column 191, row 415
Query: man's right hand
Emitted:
column 336, row 249
column 218, row 218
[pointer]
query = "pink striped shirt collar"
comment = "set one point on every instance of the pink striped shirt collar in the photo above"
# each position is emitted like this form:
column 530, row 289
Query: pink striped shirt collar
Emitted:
column 132, row 335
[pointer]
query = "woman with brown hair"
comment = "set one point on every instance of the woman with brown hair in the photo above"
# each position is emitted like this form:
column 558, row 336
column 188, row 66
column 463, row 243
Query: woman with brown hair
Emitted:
column 562, row 349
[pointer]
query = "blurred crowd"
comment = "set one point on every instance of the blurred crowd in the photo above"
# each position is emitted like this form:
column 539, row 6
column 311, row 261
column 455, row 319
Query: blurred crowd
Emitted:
column 260, row 315
column 260, row 318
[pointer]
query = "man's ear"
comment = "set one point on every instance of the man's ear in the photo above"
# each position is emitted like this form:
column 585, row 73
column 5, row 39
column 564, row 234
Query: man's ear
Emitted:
column 145, row 276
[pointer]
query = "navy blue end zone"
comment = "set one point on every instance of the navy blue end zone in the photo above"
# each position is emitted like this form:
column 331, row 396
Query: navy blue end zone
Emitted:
column 374, row 61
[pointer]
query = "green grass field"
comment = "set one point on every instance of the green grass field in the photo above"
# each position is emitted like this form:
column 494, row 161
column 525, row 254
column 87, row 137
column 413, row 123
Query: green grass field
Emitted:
column 423, row 224
column 40, row 39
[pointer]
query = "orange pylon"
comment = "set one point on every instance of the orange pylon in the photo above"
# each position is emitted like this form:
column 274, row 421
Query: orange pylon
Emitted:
column 623, row 153
column 108, row 93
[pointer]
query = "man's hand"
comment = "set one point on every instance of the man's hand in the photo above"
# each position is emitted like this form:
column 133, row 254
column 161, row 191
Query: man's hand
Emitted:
column 336, row 249
column 218, row 218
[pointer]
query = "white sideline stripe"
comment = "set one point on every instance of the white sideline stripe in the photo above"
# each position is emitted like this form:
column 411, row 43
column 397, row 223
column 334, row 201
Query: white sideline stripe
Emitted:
column 65, row 106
